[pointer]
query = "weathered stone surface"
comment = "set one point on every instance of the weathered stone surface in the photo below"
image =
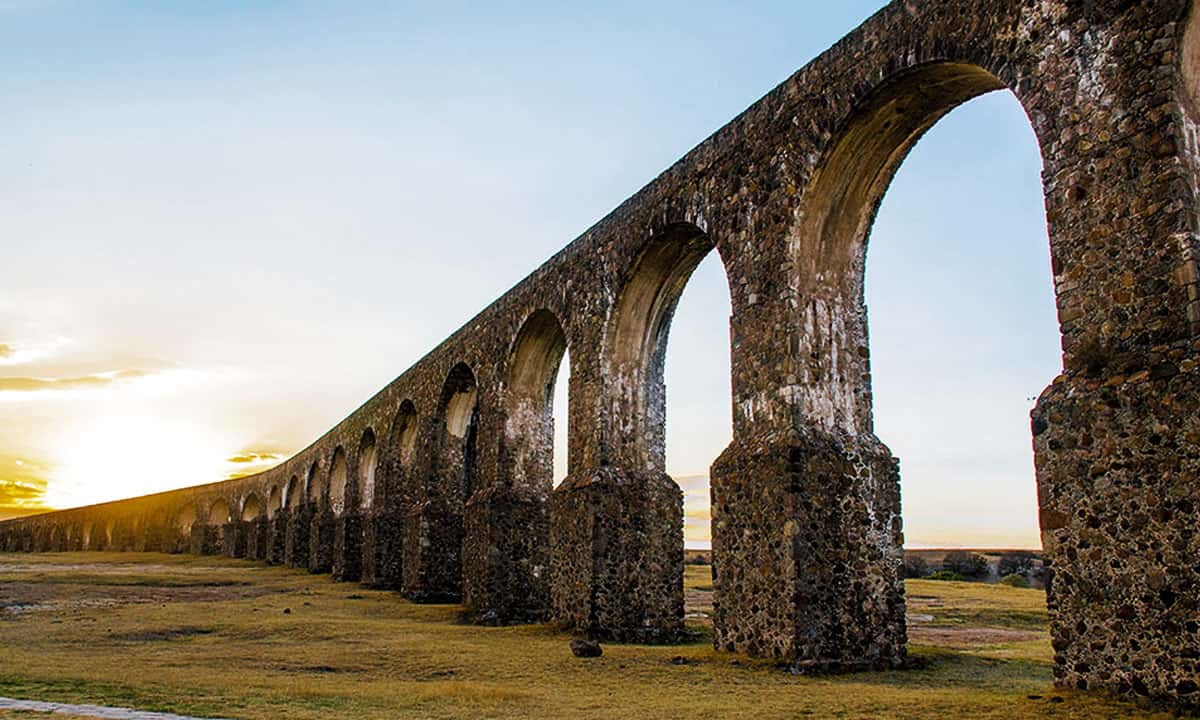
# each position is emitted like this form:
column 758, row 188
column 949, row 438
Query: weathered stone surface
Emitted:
column 449, row 464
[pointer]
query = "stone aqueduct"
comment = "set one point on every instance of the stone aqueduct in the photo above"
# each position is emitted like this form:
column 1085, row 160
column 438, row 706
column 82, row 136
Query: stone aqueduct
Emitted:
column 440, row 485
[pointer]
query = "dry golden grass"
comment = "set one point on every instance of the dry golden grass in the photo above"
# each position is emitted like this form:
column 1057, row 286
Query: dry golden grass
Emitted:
column 212, row 636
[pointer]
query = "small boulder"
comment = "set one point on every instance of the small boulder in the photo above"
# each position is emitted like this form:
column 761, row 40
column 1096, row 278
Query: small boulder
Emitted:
column 586, row 648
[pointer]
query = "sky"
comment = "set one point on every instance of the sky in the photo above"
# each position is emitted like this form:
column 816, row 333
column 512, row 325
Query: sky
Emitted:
column 225, row 225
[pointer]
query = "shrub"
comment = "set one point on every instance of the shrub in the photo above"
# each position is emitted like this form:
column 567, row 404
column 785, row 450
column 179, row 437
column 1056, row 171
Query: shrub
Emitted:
column 916, row 567
column 1016, row 580
column 1017, row 563
column 967, row 564
column 946, row 575
column 697, row 559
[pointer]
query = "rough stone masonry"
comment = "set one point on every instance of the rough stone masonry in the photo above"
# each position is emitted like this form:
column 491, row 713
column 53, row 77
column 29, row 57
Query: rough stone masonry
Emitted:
column 440, row 485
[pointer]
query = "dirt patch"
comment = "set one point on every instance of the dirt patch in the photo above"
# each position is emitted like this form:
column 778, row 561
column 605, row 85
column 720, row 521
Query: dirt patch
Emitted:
column 966, row 638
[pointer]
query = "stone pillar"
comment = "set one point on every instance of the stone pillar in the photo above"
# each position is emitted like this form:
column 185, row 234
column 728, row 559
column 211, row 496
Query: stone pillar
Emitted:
column 617, row 555
column 320, row 538
column 383, row 550
column 432, row 561
column 296, row 543
column 347, row 548
column 808, row 556
column 1118, row 471
column 233, row 539
column 277, row 537
column 506, row 559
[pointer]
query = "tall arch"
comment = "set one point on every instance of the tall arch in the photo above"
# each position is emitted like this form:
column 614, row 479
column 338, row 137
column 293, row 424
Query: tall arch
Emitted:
column 274, row 502
column 338, row 485
column 637, row 348
column 368, row 463
column 393, row 499
column 252, row 508
column 433, row 563
column 218, row 512
column 529, row 399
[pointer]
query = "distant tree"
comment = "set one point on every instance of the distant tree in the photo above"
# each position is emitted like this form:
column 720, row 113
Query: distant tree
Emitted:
column 1016, row 580
column 915, row 566
column 968, row 564
column 1016, row 563
column 697, row 559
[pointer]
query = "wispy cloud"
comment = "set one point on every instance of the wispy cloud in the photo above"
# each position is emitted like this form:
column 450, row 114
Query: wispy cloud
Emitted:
column 20, row 353
column 41, row 384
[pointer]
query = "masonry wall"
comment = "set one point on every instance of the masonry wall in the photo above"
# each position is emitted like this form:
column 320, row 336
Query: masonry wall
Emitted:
column 806, row 509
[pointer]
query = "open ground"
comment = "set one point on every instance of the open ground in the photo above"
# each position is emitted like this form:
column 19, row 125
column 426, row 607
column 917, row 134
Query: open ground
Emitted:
column 217, row 637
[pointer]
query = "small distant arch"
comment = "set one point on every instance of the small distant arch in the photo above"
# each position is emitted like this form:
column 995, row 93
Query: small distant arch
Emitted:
column 404, row 432
column 367, row 465
column 313, row 484
column 533, row 365
column 337, row 482
column 458, row 401
column 87, row 536
column 185, row 518
column 251, row 508
column 274, row 502
column 218, row 513
column 460, row 422
column 294, row 493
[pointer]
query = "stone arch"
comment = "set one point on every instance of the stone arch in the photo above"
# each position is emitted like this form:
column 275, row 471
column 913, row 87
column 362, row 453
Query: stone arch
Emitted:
column 637, row 346
column 218, row 512
column 185, row 518
column 312, row 485
column 837, row 212
column 274, row 501
column 293, row 492
column 404, row 431
column 368, row 462
column 459, row 416
column 338, row 482
column 86, row 536
column 252, row 508
column 536, row 354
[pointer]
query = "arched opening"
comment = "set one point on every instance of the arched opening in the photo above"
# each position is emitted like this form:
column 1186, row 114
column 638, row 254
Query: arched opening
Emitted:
column 677, row 289
column 185, row 518
column 367, row 462
column 293, row 493
column 639, row 346
column 402, row 440
column 460, row 415
column 959, row 284
column 274, row 502
column 312, row 481
column 87, row 536
column 533, row 371
column 251, row 508
column 337, row 482
column 218, row 514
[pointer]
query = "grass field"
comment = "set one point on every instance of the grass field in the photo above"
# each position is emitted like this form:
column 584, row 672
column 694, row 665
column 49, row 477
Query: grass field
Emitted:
column 218, row 637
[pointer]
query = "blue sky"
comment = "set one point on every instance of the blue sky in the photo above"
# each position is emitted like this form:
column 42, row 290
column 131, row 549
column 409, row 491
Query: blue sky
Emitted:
column 243, row 219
